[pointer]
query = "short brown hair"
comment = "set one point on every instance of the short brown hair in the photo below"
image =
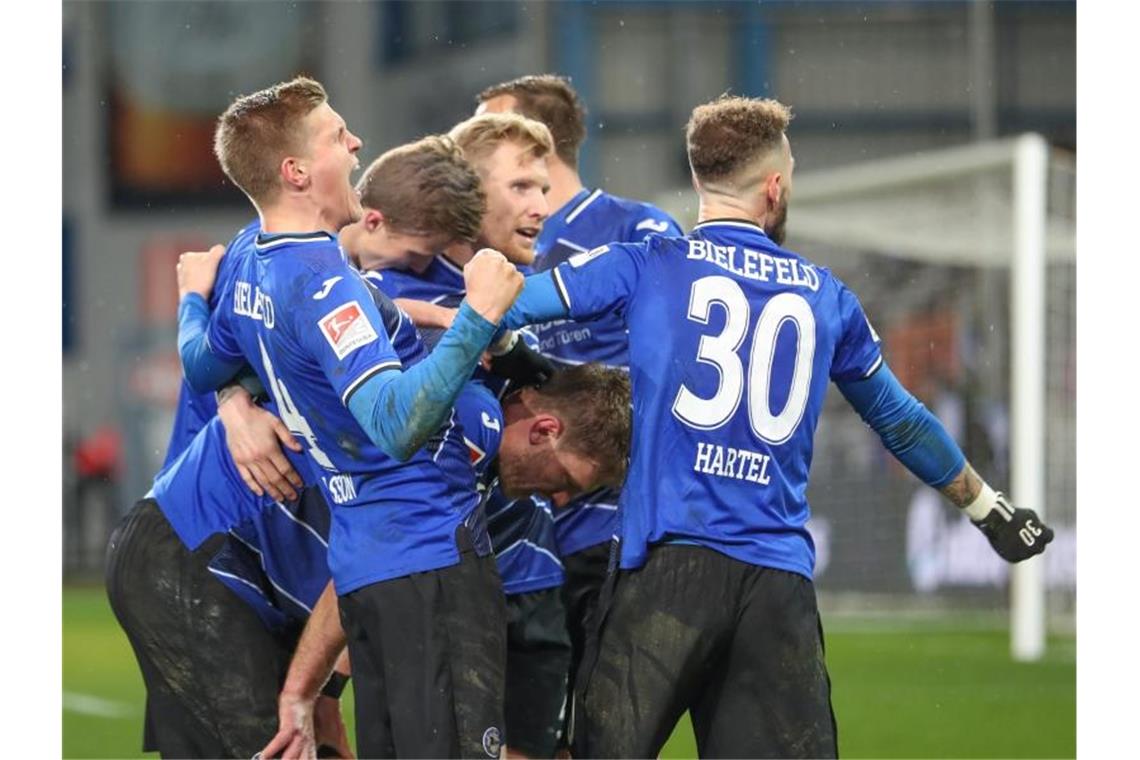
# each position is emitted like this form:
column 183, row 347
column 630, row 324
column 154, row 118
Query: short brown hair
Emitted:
column 258, row 131
column 550, row 99
column 730, row 133
column 594, row 403
column 479, row 136
column 426, row 188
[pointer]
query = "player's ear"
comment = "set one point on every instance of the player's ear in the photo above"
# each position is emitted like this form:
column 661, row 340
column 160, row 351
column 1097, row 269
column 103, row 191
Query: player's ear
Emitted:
column 294, row 173
column 774, row 188
column 373, row 219
column 545, row 429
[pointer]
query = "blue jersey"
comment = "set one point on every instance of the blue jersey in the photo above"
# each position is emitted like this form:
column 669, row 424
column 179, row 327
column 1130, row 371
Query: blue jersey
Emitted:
column 307, row 322
column 277, row 559
column 194, row 410
column 591, row 218
column 732, row 343
column 201, row 492
column 521, row 530
column 441, row 283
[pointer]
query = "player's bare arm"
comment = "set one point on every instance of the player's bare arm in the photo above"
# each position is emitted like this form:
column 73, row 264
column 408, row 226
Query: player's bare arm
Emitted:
column 254, row 437
column 964, row 488
column 320, row 646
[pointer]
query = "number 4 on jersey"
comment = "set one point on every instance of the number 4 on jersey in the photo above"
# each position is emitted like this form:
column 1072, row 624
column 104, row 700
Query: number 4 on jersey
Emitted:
column 293, row 420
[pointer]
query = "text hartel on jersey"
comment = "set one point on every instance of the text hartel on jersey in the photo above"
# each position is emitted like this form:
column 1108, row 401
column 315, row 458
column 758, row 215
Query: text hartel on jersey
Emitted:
column 729, row 462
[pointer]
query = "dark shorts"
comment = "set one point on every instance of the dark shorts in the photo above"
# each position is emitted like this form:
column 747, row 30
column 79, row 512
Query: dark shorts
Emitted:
column 212, row 670
column 538, row 659
column 585, row 572
column 739, row 646
column 428, row 652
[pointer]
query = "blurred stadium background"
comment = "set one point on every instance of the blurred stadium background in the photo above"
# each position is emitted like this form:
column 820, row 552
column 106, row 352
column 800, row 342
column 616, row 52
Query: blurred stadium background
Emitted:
column 905, row 114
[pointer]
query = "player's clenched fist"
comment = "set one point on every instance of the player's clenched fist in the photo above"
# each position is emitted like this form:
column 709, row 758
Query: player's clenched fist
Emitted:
column 1015, row 534
column 196, row 271
column 492, row 283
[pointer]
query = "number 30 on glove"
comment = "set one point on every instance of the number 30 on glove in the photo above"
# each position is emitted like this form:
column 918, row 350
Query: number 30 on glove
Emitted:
column 1015, row 534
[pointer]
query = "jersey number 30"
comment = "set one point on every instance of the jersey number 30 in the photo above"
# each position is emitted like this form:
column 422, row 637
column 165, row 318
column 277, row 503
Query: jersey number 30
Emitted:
column 721, row 352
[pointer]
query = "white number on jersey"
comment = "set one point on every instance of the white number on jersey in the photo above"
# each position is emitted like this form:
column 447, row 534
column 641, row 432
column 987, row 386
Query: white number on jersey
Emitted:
column 293, row 420
column 721, row 352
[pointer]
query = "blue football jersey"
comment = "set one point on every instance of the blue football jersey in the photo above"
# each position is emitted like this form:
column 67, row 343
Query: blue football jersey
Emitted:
column 194, row 410
column 201, row 492
column 521, row 530
column 441, row 283
column 277, row 559
column 307, row 322
column 732, row 343
column 592, row 218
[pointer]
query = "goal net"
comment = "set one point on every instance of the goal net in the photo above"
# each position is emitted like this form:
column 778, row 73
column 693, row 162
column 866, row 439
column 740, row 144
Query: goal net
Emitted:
column 929, row 243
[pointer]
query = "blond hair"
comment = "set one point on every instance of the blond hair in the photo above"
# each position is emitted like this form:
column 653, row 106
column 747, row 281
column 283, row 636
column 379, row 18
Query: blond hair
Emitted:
column 479, row 136
column 258, row 131
column 426, row 187
column 730, row 134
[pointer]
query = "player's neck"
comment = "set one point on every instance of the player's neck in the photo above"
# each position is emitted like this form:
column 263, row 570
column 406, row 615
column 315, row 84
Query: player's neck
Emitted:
column 290, row 216
column 461, row 254
column 724, row 208
column 564, row 184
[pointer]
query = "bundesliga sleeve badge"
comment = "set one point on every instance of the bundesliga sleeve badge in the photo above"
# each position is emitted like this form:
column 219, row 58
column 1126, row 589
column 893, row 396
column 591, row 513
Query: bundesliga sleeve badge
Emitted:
column 346, row 329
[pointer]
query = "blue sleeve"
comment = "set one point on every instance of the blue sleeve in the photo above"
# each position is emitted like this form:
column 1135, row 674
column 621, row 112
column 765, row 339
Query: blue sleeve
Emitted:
column 400, row 411
column 654, row 222
column 481, row 418
column 205, row 371
column 858, row 353
column 906, row 427
column 539, row 301
column 582, row 287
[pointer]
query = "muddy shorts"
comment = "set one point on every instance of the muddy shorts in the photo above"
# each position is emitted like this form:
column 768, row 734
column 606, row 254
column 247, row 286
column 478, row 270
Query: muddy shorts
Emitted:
column 212, row 670
column 738, row 646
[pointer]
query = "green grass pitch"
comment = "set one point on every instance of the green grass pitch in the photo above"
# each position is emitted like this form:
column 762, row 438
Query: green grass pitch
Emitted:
column 919, row 690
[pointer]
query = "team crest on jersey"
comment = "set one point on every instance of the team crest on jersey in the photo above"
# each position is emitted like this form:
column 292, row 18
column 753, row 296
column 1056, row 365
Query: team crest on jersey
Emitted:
column 346, row 329
column 492, row 742
column 582, row 258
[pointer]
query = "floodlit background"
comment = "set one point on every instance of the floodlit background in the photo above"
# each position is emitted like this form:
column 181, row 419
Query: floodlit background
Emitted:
column 904, row 119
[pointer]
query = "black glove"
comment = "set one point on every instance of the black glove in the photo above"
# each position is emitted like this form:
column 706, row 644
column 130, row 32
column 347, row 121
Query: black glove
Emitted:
column 523, row 366
column 1015, row 534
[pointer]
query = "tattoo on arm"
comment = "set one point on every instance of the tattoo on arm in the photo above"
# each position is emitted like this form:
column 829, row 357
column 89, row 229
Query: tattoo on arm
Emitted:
column 964, row 488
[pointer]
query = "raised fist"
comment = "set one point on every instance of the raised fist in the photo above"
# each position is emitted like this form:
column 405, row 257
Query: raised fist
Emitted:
column 492, row 284
column 197, row 270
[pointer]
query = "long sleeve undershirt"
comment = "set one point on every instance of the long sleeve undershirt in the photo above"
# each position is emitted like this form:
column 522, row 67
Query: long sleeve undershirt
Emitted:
column 906, row 427
column 400, row 411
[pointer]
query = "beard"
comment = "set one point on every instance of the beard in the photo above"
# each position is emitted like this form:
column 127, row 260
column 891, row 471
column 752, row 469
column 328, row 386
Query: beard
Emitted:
column 516, row 473
column 774, row 229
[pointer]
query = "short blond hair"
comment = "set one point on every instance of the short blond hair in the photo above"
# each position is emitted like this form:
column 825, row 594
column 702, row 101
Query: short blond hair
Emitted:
column 731, row 133
column 426, row 187
column 479, row 136
column 258, row 131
